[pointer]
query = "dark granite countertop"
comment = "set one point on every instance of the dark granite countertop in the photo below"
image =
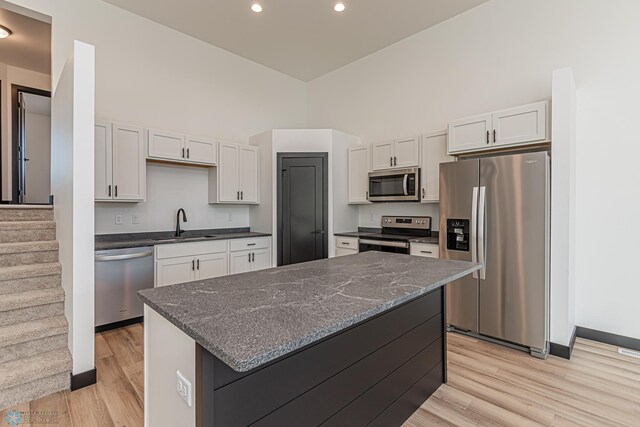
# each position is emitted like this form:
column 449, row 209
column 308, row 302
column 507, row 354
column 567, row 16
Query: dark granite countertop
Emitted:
column 249, row 319
column 135, row 240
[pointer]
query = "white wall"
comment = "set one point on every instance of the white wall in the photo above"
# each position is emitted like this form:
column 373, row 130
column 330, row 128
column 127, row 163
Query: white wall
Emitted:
column 14, row 76
column 72, row 111
column 152, row 76
column 169, row 188
column 502, row 54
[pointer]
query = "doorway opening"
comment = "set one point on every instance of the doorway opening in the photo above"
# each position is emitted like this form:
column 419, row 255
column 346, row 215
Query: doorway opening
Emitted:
column 25, row 116
column 302, row 197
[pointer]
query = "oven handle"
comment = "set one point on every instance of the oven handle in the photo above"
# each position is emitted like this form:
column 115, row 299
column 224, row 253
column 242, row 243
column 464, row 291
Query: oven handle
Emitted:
column 404, row 184
column 123, row 257
column 384, row 243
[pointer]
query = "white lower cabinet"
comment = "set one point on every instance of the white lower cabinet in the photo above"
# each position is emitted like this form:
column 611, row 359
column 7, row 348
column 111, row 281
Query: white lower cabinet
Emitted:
column 425, row 250
column 346, row 245
column 175, row 270
column 212, row 265
column 249, row 255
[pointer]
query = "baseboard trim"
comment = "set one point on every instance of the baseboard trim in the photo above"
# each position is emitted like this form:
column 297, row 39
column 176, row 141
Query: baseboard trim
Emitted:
column 564, row 351
column 83, row 379
column 120, row 324
column 608, row 338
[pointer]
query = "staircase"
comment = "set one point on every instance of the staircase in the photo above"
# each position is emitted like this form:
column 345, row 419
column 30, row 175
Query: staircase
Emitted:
column 34, row 354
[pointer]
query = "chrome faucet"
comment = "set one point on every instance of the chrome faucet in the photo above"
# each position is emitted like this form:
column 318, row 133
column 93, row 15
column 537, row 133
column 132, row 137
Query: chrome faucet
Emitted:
column 184, row 219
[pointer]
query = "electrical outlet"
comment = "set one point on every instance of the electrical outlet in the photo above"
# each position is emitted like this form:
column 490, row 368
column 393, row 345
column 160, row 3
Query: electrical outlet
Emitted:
column 135, row 218
column 229, row 217
column 118, row 219
column 370, row 217
column 183, row 388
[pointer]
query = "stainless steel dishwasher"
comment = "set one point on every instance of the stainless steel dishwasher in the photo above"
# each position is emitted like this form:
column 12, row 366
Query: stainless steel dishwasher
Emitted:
column 120, row 274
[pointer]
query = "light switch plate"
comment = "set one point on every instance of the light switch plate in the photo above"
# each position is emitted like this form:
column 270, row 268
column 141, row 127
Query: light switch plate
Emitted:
column 118, row 219
column 183, row 387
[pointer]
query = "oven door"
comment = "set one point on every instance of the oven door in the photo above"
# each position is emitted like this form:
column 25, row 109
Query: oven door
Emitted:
column 394, row 186
column 383, row 246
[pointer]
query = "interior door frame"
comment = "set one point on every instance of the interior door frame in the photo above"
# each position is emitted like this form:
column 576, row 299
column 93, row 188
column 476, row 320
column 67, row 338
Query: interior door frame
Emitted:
column 325, row 198
column 15, row 131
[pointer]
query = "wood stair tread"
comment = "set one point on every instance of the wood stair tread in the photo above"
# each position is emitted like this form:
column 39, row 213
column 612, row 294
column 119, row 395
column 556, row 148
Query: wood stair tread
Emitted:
column 36, row 329
column 19, row 300
column 16, row 372
column 30, row 270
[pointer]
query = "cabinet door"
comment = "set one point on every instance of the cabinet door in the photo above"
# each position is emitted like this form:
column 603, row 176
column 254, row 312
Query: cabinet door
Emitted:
column 520, row 125
column 406, row 152
column 382, row 155
column 228, row 162
column 166, row 145
column 175, row 270
column 103, row 161
column 201, row 150
column 434, row 152
column 129, row 164
column 212, row 265
column 470, row 134
column 248, row 174
column 239, row 262
column 260, row 259
column 359, row 167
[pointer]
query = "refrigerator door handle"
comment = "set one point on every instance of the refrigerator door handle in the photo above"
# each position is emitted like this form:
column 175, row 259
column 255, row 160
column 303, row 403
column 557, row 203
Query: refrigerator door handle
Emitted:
column 482, row 233
column 474, row 223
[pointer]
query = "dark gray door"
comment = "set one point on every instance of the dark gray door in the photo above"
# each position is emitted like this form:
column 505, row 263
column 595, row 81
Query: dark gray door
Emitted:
column 302, row 209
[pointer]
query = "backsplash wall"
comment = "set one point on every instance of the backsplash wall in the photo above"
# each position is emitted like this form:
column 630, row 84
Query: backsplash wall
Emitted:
column 370, row 215
column 169, row 188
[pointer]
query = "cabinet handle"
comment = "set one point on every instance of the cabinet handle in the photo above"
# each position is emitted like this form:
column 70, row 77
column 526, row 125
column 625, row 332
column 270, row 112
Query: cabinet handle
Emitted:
column 345, row 243
column 251, row 244
column 487, row 137
column 253, row 257
column 367, row 195
column 426, row 252
column 238, row 195
column 395, row 161
column 390, row 161
column 183, row 153
column 423, row 193
column 198, row 264
column 116, row 190
column 494, row 135
column 249, row 256
column 193, row 265
column 241, row 195
column 109, row 190
column 187, row 153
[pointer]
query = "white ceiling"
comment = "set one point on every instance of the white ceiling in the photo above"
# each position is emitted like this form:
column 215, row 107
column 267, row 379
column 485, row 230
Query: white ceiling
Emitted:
column 29, row 46
column 302, row 38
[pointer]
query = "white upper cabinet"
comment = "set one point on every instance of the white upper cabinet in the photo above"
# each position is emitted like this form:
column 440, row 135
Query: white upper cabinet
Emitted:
column 248, row 174
column 201, row 150
column 407, row 151
column 382, row 155
column 399, row 153
column 177, row 147
column 526, row 124
column 359, row 167
column 103, row 161
column 434, row 152
column 120, row 166
column 470, row 134
column 129, row 165
column 235, row 180
column 166, row 145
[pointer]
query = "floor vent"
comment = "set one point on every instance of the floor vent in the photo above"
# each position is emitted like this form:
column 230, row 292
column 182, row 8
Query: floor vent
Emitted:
column 631, row 353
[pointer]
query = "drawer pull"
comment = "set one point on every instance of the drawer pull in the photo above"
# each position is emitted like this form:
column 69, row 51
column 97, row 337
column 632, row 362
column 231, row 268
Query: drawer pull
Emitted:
column 426, row 252
column 345, row 243
column 251, row 244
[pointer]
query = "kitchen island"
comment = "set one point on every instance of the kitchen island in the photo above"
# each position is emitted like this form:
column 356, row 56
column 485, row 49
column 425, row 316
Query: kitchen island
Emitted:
column 352, row 340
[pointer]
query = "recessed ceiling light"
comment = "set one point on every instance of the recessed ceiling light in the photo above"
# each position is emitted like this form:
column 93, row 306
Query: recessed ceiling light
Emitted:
column 339, row 7
column 4, row 32
column 256, row 7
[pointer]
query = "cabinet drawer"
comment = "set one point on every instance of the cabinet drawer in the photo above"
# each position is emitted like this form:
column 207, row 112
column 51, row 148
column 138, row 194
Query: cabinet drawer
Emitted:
column 191, row 249
column 347, row 242
column 425, row 250
column 252, row 243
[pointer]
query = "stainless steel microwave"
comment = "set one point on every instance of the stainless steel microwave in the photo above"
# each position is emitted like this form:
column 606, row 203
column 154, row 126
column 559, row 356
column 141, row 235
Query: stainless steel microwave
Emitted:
column 398, row 185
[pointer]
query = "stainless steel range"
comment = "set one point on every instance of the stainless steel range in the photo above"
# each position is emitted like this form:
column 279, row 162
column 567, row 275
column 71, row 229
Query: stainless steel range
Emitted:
column 396, row 233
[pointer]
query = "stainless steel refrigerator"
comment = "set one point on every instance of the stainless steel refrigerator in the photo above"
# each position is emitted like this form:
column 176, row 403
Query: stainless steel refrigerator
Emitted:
column 495, row 211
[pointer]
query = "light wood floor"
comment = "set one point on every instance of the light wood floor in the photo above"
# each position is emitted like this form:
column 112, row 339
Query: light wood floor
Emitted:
column 489, row 385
